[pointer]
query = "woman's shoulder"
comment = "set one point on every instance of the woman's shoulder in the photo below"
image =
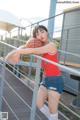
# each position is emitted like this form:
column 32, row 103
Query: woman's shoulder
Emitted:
column 52, row 45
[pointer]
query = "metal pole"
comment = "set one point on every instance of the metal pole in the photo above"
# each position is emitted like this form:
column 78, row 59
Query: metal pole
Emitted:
column 37, row 80
column 2, row 76
column 18, row 37
column 51, row 13
column 1, row 84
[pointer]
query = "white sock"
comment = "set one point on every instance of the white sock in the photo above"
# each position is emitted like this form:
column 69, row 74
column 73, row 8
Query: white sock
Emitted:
column 45, row 111
column 53, row 116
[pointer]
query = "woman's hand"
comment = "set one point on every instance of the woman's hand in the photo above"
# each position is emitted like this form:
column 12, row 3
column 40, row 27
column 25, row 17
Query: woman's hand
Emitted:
column 13, row 57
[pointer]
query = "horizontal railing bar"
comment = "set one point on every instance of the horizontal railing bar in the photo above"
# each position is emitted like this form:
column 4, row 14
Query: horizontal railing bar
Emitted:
column 73, row 71
column 44, row 19
column 74, row 113
column 69, row 53
column 59, row 65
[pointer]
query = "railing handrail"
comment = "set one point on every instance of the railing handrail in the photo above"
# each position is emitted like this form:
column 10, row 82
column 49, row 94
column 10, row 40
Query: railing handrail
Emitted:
column 59, row 65
column 65, row 52
column 69, row 53
column 73, row 71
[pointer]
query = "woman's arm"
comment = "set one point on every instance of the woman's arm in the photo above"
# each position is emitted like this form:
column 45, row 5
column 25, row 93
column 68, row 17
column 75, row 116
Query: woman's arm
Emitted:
column 50, row 47
column 12, row 57
column 22, row 46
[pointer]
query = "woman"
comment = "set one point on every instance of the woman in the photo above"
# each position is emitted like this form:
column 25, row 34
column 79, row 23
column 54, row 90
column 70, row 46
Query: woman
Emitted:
column 51, row 86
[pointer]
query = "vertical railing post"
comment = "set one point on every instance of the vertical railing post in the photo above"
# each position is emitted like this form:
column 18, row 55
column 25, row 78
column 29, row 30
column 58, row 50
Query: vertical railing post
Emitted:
column 2, row 80
column 29, row 73
column 37, row 80
column 0, row 90
column 1, row 85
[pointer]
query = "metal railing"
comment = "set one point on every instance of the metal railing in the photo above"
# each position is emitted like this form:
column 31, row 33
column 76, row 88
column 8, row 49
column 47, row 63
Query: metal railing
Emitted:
column 62, row 67
column 66, row 69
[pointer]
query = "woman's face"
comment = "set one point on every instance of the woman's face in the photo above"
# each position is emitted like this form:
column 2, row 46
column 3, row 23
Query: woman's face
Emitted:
column 42, row 35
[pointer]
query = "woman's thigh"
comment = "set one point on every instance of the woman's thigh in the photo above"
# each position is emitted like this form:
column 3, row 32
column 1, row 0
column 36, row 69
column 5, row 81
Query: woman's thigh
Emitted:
column 42, row 96
column 53, row 100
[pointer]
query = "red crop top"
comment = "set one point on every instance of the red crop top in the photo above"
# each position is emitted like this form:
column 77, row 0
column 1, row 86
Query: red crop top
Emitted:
column 50, row 69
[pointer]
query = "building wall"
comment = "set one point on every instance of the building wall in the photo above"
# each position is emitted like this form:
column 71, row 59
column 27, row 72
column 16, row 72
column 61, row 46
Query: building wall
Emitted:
column 70, row 42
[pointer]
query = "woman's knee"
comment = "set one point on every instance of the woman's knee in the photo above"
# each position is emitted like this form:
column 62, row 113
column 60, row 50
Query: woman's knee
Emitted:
column 53, row 101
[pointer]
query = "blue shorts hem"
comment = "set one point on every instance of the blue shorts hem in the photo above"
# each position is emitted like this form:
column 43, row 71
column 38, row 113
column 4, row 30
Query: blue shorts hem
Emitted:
column 53, row 83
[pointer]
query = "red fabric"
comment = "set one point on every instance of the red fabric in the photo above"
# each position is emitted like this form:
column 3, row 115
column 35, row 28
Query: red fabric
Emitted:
column 50, row 69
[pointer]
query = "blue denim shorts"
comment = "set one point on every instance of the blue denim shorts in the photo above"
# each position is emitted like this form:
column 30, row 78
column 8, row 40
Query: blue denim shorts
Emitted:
column 53, row 83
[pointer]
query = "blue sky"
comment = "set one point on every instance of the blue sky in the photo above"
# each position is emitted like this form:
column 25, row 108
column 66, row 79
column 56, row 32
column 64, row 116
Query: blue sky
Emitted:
column 32, row 8
column 26, row 8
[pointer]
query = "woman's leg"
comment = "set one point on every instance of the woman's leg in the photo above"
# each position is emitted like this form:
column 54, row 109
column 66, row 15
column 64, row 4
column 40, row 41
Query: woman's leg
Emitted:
column 41, row 98
column 53, row 102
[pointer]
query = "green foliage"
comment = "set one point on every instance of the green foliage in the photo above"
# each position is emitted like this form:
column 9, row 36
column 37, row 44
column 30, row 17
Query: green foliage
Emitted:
column 57, row 42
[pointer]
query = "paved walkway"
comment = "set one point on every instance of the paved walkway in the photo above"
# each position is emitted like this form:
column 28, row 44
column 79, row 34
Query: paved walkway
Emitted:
column 17, row 99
